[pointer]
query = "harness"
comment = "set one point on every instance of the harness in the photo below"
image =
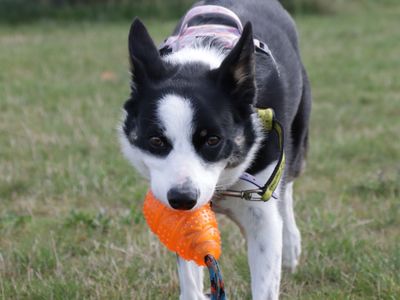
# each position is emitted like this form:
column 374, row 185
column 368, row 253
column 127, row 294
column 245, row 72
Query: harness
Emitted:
column 228, row 36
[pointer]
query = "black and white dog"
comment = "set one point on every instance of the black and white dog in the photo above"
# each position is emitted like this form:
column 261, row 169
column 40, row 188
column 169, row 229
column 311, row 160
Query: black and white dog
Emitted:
column 191, row 128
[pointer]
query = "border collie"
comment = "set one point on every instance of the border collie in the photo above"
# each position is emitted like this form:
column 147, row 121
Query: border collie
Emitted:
column 191, row 125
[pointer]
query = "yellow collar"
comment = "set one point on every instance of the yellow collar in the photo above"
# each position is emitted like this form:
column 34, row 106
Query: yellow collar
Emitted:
column 266, row 191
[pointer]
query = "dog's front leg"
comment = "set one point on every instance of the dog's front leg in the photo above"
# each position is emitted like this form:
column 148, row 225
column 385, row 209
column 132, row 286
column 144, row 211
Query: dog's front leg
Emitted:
column 261, row 224
column 190, row 280
column 291, row 234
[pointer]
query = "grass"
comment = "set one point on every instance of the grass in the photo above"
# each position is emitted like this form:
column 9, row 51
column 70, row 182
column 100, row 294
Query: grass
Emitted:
column 70, row 206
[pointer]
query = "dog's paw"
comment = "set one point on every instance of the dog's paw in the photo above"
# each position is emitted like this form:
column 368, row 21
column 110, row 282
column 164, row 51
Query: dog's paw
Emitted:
column 291, row 249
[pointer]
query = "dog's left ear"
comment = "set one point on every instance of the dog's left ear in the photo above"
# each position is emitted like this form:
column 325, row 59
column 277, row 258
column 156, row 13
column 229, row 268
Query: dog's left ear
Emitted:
column 145, row 60
column 237, row 72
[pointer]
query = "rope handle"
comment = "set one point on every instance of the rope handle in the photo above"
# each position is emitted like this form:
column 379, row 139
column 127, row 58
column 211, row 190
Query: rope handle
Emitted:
column 217, row 283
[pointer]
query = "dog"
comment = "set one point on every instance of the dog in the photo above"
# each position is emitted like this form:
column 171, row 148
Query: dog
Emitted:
column 191, row 127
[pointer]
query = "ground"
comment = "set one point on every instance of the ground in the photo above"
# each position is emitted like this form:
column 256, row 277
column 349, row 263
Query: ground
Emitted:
column 70, row 207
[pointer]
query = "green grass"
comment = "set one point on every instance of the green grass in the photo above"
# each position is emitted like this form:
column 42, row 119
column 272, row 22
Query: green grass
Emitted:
column 70, row 206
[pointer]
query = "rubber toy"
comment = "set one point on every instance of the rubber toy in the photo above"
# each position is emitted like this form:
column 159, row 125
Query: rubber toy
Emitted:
column 191, row 234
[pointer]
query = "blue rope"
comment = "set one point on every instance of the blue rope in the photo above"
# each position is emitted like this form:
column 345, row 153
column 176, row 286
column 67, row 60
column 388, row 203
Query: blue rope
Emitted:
column 217, row 283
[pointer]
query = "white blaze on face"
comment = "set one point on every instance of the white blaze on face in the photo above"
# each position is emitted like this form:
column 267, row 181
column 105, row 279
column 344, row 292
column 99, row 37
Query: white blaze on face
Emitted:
column 183, row 163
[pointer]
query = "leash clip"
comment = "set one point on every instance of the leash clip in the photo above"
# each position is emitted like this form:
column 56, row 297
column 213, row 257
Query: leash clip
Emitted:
column 248, row 195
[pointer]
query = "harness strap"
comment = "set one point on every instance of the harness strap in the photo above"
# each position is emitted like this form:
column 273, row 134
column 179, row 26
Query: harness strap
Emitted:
column 270, row 123
column 209, row 9
column 227, row 35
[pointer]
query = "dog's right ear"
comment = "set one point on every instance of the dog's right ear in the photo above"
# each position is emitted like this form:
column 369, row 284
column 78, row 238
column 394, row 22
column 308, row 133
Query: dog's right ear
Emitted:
column 237, row 71
column 144, row 57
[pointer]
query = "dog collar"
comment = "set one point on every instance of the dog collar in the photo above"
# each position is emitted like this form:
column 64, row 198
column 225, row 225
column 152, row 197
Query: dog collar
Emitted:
column 227, row 35
column 263, row 192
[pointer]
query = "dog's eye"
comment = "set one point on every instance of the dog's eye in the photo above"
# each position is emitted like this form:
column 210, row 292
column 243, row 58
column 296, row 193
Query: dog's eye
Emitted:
column 156, row 142
column 213, row 141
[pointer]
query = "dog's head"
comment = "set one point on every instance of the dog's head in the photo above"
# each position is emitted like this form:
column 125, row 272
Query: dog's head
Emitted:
column 189, row 127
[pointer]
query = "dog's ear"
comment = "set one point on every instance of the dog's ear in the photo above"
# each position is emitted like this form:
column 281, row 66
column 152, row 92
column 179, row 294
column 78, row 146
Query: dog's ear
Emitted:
column 144, row 57
column 237, row 72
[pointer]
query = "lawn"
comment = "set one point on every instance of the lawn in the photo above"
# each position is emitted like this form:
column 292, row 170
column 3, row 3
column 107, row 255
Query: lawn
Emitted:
column 70, row 207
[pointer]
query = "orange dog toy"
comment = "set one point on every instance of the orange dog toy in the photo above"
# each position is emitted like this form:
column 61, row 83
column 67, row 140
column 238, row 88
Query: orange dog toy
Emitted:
column 191, row 234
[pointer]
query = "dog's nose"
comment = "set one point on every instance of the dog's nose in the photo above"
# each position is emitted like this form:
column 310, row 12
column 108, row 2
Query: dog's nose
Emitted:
column 182, row 198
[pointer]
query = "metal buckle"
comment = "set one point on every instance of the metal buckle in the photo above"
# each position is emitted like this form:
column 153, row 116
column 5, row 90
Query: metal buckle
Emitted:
column 248, row 195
